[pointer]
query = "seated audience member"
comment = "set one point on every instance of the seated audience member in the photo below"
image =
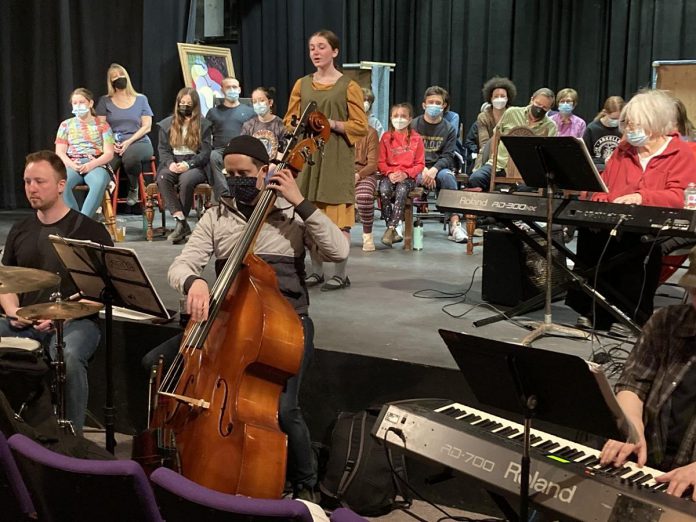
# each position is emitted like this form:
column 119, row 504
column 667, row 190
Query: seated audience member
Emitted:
column 651, row 166
column 129, row 115
column 438, row 139
column 567, row 123
column 28, row 246
column 366, row 179
column 86, row 146
column 532, row 116
column 602, row 135
column 227, row 120
column 372, row 121
column 184, row 153
column 266, row 126
column 684, row 125
column 657, row 390
column 499, row 93
column 401, row 160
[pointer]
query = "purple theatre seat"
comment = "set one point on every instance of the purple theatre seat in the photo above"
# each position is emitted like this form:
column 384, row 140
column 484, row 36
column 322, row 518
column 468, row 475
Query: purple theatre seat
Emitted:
column 346, row 515
column 183, row 500
column 66, row 488
column 14, row 496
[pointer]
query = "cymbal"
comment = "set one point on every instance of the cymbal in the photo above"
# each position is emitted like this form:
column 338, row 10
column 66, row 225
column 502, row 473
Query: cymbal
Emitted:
column 17, row 279
column 58, row 310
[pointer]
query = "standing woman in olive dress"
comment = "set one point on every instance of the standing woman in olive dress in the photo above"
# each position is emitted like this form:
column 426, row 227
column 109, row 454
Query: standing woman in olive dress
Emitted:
column 330, row 182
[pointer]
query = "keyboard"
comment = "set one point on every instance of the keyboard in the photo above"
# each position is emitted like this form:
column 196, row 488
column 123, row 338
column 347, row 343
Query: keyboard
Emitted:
column 565, row 477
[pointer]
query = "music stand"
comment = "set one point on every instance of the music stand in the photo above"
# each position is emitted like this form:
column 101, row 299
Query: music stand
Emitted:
column 558, row 162
column 112, row 276
column 551, row 386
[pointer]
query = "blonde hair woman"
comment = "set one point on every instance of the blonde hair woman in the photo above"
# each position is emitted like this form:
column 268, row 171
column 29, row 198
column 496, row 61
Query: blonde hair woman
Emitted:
column 129, row 115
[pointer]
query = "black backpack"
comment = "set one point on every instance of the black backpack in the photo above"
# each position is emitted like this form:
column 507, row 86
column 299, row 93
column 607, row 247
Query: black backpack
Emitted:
column 358, row 475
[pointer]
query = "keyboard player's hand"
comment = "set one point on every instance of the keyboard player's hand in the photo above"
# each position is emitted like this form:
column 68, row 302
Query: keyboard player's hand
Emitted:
column 615, row 452
column 680, row 479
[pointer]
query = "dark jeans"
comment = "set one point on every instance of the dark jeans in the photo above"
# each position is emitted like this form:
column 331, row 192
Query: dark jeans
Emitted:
column 302, row 464
column 627, row 279
column 132, row 161
column 168, row 183
column 481, row 177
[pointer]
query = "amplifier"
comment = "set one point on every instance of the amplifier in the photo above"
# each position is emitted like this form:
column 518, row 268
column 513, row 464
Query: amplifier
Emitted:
column 512, row 271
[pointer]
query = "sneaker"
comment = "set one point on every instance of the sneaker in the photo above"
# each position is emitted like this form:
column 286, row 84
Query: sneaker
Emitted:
column 458, row 233
column 132, row 198
column 400, row 229
column 368, row 243
column 388, row 237
column 181, row 232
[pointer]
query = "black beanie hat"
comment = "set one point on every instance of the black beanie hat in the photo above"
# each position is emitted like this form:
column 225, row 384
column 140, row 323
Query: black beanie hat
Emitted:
column 249, row 146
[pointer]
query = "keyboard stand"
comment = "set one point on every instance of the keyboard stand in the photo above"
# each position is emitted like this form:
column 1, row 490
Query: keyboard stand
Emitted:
column 581, row 279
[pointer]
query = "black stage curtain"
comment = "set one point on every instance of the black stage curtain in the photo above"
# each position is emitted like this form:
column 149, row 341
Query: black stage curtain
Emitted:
column 51, row 47
column 274, row 36
column 599, row 47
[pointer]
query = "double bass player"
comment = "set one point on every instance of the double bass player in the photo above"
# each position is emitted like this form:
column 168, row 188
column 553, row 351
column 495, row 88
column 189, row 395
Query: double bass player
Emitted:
column 291, row 226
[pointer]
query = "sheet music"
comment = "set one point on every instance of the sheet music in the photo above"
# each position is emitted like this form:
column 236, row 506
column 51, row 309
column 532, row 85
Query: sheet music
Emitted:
column 133, row 286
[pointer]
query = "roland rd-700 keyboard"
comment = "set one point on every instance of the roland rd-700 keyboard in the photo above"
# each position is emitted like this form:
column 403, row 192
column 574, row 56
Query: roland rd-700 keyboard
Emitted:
column 565, row 478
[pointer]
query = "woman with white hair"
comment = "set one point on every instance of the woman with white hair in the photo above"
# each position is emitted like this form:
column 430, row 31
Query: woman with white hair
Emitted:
column 651, row 166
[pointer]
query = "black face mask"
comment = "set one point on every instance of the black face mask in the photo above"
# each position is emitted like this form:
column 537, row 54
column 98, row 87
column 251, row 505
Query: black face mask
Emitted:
column 243, row 190
column 537, row 112
column 119, row 83
column 185, row 110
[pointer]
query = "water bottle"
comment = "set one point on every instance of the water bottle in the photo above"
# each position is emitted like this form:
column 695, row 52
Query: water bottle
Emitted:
column 417, row 235
column 690, row 196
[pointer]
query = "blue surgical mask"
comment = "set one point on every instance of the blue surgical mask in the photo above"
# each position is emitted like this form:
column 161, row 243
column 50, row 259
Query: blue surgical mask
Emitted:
column 612, row 122
column 232, row 94
column 261, row 108
column 433, row 110
column 565, row 107
column 80, row 110
column 637, row 137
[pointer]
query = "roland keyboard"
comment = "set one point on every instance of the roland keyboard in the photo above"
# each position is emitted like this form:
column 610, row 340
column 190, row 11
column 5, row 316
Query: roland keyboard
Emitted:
column 495, row 204
column 565, row 476
column 634, row 218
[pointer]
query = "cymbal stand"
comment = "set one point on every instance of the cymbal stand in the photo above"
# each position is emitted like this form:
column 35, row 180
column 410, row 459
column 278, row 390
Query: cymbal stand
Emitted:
column 59, row 368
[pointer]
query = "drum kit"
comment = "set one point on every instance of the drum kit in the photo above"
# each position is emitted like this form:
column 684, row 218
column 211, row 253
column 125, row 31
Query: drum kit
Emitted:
column 18, row 280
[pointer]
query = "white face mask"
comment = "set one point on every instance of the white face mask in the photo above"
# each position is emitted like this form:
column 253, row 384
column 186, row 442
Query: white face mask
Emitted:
column 499, row 103
column 399, row 123
column 366, row 104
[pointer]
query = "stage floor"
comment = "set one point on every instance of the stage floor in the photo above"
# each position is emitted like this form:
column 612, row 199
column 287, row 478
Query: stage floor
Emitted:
column 380, row 315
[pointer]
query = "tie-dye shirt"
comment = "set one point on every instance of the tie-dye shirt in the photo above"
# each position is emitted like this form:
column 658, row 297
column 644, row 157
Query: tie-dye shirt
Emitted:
column 84, row 138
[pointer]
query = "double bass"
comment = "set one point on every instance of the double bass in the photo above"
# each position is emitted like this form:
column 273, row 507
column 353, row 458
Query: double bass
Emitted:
column 225, row 383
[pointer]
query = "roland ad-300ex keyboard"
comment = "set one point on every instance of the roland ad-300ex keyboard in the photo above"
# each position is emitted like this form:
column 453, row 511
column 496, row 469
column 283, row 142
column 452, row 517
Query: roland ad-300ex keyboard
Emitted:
column 565, row 476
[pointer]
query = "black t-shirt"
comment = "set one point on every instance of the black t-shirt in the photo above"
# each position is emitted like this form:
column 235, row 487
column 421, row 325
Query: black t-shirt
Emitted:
column 28, row 246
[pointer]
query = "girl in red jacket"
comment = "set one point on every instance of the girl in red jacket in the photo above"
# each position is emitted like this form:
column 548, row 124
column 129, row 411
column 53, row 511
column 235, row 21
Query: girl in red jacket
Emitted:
column 401, row 159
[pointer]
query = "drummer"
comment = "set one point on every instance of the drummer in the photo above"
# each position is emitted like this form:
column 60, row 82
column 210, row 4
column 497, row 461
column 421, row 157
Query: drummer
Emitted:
column 28, row 246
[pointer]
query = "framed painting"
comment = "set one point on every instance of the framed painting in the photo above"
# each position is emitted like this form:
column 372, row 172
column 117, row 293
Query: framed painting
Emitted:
column 204, row 67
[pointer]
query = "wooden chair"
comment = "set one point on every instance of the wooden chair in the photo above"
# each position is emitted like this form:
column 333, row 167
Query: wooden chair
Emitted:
column 107, row 211
column 202, row 197
column 414, row 198
column 115, row 200
column 512, row 175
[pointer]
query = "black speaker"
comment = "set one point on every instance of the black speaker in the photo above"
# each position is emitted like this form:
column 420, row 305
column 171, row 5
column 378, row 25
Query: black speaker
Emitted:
column 512, row 271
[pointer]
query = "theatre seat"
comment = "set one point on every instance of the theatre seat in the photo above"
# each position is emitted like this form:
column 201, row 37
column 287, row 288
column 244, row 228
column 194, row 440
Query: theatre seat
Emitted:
column 66, row 488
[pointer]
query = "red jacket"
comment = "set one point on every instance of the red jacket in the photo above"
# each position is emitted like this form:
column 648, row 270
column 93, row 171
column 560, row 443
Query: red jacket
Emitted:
column 662, row 183
column 397, row 155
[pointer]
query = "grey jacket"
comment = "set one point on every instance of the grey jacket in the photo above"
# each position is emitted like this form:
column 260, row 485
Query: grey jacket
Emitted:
column 281, row 243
